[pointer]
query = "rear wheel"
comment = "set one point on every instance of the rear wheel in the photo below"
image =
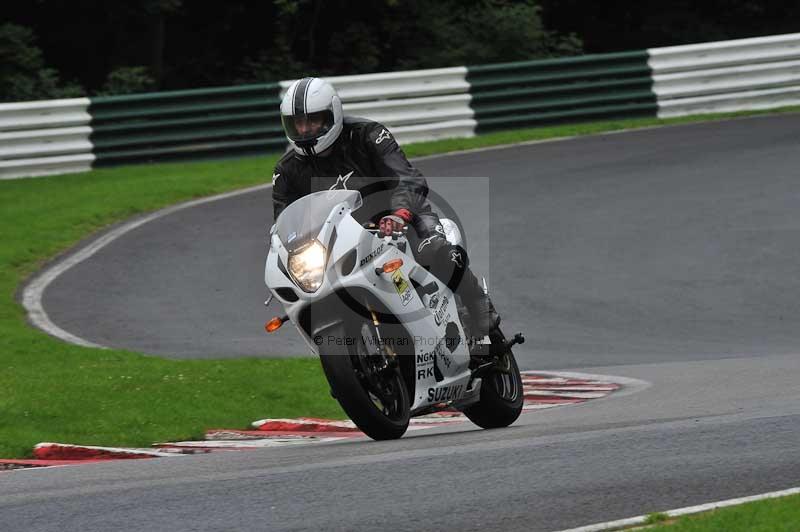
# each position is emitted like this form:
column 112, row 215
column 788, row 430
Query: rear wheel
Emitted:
column 502, row 396
column 366, row 382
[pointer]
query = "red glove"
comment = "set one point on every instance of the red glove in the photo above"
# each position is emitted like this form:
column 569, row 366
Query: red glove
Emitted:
column 395, row 222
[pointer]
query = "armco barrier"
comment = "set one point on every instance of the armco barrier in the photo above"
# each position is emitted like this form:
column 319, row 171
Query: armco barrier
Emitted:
column 44, row 137
column 513, row 95
column 194, row 123
column 38, row 138
column 758, row 73
column 416, row 105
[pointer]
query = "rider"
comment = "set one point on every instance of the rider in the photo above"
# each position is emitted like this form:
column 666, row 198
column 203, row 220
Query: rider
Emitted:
column 331, row 151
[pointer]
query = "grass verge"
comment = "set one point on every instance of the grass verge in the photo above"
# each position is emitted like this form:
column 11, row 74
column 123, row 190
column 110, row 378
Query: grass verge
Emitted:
column 51, row 391
column 772, row 515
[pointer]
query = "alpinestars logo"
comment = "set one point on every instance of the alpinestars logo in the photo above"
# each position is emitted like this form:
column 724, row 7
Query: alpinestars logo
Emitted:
column 342, row 180
column 425, row 243
column 384, row 135
column 457, row 258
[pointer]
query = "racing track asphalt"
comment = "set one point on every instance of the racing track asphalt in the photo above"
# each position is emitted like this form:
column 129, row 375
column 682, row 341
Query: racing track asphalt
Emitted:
column 667, row 255
column 666, row 244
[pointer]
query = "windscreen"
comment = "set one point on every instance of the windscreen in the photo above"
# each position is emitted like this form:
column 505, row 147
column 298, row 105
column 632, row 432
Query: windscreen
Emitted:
column 303, row 218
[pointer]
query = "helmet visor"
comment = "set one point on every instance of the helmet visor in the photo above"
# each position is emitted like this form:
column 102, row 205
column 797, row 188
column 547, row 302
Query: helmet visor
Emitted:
column 305, row 127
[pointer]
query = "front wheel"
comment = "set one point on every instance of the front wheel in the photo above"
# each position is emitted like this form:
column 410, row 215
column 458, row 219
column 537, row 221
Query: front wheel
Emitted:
column 501, row 398
column 369, row 386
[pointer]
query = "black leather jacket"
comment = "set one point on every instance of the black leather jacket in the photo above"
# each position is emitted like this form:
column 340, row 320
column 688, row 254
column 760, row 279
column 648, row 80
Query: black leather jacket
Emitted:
column 365, row 157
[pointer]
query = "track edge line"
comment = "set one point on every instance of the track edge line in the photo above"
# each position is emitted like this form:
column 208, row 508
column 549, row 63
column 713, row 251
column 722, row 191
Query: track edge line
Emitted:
column 33, row 290
column 679, row 512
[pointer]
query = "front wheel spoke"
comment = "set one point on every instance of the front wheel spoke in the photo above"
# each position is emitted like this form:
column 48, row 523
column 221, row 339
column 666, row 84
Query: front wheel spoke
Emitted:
column 382, row 404
column 377, row 402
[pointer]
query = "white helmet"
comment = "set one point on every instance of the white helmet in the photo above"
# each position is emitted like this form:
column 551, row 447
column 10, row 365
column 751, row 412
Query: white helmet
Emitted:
column 311, row 113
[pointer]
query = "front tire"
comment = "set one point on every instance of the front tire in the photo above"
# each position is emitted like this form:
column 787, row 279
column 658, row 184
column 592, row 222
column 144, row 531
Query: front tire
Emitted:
column 502, row 397
column 376, row 401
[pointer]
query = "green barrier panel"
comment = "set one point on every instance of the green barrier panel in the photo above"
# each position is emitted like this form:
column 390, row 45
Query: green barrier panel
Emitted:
column 175, row 138
column 187, row 124
column 520, row 120
column 254, row 118
column 194, row 151
column 505, row 94
column 530, row 93
column 121, row 112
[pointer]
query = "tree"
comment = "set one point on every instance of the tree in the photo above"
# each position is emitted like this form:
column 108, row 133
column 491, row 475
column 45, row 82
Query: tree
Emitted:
column 23, row 73
column 200, row 44
column 128, row 80
column 484, row 31
column 340, row 37
column 158, row 11
column 617, row 25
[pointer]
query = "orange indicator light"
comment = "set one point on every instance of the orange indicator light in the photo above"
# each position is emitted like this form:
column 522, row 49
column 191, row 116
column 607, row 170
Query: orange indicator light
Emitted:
column 274, row 324
column 392, row 265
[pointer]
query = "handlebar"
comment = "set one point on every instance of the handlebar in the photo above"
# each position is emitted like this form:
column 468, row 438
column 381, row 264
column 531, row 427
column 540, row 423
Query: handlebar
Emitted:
column 369, row 226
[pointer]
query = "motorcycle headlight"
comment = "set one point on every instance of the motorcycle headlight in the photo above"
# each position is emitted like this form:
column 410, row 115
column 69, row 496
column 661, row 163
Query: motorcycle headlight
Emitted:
column 307, row 266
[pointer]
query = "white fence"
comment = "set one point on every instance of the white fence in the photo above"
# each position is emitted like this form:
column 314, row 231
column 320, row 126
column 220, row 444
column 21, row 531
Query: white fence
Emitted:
column 417, row 105
column 45, row 137
column 744, row 74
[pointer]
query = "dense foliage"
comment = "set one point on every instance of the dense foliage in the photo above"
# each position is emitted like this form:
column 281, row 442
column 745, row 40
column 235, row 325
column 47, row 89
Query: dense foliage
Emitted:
column 23, row 73
column 617, row 25
column 114, row 47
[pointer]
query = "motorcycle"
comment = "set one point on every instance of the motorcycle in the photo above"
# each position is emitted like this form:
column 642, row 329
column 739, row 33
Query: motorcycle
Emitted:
column 388, row 333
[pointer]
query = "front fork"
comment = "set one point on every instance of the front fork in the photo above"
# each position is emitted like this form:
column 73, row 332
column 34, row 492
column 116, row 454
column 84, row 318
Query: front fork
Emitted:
column 386, row 358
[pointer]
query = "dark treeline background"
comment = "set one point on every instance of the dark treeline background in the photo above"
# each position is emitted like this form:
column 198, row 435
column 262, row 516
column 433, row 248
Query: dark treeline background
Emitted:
column 52, row 48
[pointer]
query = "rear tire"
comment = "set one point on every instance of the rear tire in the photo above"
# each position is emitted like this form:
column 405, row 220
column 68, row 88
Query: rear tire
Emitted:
column 502, row 398
column 377, row 402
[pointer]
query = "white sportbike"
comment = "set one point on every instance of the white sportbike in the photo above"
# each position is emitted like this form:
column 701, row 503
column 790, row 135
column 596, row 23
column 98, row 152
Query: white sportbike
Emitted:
column 387, row 331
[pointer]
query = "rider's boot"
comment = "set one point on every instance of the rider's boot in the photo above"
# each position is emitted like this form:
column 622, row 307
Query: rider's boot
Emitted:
column 484, row 319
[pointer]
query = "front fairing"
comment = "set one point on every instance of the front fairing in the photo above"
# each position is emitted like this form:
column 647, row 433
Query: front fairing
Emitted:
column 354, row 255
